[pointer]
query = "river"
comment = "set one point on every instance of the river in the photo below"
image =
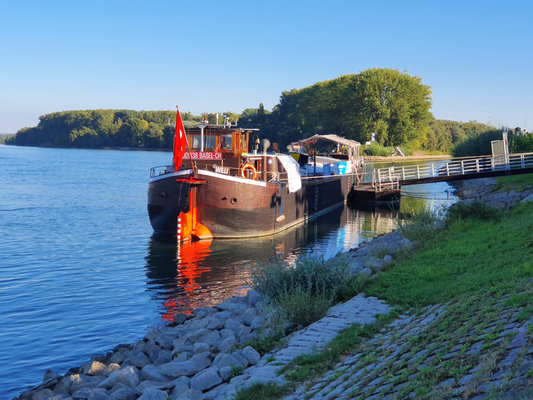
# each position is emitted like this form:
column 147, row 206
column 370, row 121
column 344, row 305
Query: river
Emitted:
column 81, row 270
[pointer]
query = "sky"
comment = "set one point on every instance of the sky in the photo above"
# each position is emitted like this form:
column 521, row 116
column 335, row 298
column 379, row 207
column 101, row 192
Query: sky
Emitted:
column 216, row 56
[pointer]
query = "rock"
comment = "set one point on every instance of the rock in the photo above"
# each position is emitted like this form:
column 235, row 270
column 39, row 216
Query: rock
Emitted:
column 202, row 359
column 224, row 360
column 176, row 369
column 178, row 391
column 139, row 359
column 226, row 333
column 257, row 322
column 42, row 394
column 366, row 271
column 227, row 344
column 253, row 297
column 213, row 339
column 98, row 394
column 196, row 334
column 80, row 381
column 200, row 347
column 94, row 368
column 237, row 355
column 153, row 394
column 251, row 355
column 232, row 324
column 112, row 367
column 181, row 318
column 49, row 374
column 128, row 376
column 191, row 394
column 163, row 337
column 387, row 259
column 123, row 393
column 82, row 394
column 231, row 306
column 242, row 330
column 117, row 358
column 202, row 312
column 151, row 373
column 205, row 379
column 225, row 373
column 215, row 324
column 249, row 316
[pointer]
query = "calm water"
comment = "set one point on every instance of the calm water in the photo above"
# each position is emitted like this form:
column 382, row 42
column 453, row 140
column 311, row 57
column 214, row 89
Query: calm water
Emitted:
column 81, row 271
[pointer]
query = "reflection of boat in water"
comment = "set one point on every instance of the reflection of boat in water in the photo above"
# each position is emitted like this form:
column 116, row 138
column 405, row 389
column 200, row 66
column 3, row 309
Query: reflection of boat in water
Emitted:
column 226, row 192
column 204, row 273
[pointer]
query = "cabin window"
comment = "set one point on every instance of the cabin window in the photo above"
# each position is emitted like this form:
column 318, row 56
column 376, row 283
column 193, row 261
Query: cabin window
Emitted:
column 210, row 142
column 244, row 142
column 226, row 142
column 196, row 143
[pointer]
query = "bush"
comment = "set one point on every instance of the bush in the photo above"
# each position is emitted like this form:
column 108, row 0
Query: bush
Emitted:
column 352, row 286
column 304, row 306
column 377, row 150
column 303, row 292
column 474, row 210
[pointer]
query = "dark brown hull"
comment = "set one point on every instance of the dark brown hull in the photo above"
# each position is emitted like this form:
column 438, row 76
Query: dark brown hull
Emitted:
column 232, row 207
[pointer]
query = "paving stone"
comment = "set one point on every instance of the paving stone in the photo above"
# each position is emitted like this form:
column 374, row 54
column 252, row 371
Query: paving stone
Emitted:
column 519, row 340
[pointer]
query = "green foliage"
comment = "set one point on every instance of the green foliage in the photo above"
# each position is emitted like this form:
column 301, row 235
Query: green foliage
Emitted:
column 304, row 305
column 419, row 225
column 521, row 143
column 236, row 370
column 477, row 144
column 471, row 256
column 377, row 150
column 352, row 286
column 388, row 102
column 442, row 135
column 303, row 292
column 261, row 391
column 266, row 344
column 475, row 210
column 277, row 277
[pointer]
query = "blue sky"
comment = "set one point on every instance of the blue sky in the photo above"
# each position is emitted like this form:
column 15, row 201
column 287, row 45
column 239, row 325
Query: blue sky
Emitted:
column 230, row 55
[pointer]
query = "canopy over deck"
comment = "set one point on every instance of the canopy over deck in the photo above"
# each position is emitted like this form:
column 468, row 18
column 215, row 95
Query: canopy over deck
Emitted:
column 332, row 138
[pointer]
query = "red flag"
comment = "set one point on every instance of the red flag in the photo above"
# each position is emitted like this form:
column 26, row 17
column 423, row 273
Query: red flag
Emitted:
column 180, row 141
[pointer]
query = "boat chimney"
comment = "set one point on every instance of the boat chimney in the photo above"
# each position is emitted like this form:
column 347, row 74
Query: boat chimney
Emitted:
column 265, row 144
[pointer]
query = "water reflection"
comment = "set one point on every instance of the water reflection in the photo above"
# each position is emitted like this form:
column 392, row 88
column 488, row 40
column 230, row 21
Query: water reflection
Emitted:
column 205, row 273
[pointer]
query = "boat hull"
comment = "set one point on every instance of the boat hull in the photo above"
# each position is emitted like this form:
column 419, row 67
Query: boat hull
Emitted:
column 233, row 207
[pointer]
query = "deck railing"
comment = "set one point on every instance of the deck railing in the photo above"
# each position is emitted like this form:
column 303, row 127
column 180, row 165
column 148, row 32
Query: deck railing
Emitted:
column 393, row 175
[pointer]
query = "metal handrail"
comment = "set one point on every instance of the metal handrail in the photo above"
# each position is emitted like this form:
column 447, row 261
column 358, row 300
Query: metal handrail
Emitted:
column 455, row 167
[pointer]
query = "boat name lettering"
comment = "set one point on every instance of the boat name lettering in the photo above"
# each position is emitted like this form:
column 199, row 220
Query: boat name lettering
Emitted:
column 203, row 155
column 222, row 170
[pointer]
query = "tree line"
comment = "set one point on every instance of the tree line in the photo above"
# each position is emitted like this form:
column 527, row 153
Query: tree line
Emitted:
column 390, row 105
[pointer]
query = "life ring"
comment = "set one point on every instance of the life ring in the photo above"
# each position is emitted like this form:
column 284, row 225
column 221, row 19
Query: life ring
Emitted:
column 248, row 166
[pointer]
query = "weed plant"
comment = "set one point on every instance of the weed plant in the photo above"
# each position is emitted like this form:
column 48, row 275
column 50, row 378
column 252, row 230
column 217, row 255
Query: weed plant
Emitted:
column 302, row 292
column 475, row 210
column 421, row 225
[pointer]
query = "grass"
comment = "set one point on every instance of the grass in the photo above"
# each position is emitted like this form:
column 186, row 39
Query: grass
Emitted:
column 516, row 183
column 469, row 262
column 259, row 391
column 469, row 257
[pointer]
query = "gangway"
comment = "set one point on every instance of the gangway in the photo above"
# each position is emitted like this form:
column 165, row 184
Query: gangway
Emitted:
column 456, row 169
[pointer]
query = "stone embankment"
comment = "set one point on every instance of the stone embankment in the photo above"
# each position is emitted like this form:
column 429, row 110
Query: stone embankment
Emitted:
column 205, row 356
column 483, row 190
